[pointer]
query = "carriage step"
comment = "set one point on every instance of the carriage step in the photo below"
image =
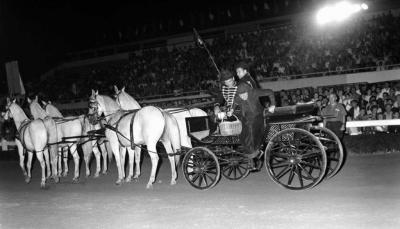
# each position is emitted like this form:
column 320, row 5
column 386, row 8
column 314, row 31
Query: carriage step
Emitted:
column 221, row 140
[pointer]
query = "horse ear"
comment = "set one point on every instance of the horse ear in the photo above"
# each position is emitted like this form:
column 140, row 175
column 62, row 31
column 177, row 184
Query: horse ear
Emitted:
column 8, row 100
column 36, row 98
column 93, row 92
column 116, row 89
column 14, row 100
column 123, row 89
column 49, row 102
column 97, row 92
column 29, row 100
column 44, row 103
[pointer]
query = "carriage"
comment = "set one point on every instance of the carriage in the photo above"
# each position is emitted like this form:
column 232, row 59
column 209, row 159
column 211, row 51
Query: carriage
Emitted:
column 297, row 152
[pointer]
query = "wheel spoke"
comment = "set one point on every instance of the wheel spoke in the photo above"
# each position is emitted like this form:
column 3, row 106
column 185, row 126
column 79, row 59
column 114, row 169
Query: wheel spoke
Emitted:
column 280, row 164
column 200, row 180
column 280, row 155
column 205, row 179
column 300, row 176
column 308, row 175
column 291, row 177
column 283, row 172
column 195, row 177
column 310, row 165
column 310, row 155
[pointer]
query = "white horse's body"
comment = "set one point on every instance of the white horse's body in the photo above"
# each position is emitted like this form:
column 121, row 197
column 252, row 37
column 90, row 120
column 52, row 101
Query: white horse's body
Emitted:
column 33, row 137
column 170, row 137
column 147, row 128
column 88, row 146
column 61, row 129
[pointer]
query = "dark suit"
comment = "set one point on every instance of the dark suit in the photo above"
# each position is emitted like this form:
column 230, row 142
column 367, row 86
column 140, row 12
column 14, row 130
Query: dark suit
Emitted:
column 251, row 114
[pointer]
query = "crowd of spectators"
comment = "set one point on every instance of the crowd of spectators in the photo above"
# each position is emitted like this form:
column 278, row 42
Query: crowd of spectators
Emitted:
column 362, row 102
column 283, row 52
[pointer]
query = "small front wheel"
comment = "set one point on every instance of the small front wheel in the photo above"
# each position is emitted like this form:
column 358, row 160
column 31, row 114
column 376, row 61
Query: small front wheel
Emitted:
column 234, row 165
column 201, row 168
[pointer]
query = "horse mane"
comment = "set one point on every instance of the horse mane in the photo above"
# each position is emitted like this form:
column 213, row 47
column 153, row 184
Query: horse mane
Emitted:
column 35, row 107
column 53, row 111
column 133, row 104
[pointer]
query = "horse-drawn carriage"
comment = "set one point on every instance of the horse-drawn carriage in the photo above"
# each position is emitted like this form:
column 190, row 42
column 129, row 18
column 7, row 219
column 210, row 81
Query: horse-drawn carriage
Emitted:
column 297, row 152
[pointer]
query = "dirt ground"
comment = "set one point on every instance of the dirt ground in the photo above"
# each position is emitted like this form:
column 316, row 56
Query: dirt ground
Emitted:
column 365, row 194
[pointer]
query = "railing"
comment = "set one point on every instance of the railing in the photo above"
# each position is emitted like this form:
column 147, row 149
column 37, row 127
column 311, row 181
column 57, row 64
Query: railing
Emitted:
column 336, row 72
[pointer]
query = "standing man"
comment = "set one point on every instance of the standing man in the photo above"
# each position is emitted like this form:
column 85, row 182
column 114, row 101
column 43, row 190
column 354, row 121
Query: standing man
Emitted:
column 336, row 116
column 247, row 99
column 242, row 71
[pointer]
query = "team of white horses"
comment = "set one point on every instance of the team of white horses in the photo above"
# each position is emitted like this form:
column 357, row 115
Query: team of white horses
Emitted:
column 129, row 126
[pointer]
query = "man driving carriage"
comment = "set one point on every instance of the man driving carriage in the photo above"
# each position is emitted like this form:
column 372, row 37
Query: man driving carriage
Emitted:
column 243, row 101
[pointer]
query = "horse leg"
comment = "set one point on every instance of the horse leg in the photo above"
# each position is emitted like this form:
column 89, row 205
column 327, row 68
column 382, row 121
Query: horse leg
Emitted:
column 75, row 155
column 87, row 167
column 122, row 152
column 21, row 157
column 168, row 149
column 47, row 160
column 154, row 162
column 29, row 166
column 59, row 162
column 39, row 156
column 138, row 150
column 114, row 144
column 96, row 153
column 53, row 149
column 131, row 158
column 104, row 155
column 65, row 157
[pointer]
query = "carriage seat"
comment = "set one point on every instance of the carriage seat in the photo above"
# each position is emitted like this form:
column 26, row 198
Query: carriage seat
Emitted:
column 198, row 127
column 290, row 113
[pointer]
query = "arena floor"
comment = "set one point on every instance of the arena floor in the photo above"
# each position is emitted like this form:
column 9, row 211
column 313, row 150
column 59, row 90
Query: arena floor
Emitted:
column 365, row 194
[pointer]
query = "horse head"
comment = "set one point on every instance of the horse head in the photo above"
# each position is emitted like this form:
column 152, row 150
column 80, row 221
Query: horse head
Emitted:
column 124, row 100
column 36, row 110
column 9, row 109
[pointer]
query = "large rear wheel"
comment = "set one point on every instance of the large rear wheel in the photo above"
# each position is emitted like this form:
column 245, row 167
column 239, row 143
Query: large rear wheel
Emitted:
column 201, row 168
column 333, row 148
column 295, row 159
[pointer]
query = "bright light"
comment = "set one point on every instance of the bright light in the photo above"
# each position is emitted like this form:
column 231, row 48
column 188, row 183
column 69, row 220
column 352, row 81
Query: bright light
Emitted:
column 339, row 12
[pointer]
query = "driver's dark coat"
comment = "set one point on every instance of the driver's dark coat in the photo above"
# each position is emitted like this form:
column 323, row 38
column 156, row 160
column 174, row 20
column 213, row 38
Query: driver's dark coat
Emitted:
column 250, row 112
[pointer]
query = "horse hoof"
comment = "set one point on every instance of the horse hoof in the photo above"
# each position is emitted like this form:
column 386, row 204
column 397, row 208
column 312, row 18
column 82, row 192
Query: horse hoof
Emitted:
column 104, row 172
column 173, row 182
column 75, row 180
column 43, row 186
column 128, row 179
column 56, row 179
column 27, row 180
column 65, row 174
column 149, row 186
column 96, row 175
column 118, row 182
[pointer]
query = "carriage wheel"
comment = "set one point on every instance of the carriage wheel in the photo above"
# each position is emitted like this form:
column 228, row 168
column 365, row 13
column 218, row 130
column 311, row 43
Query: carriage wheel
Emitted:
column 201, row 168
column 234, row 165
column 333, row 148
column 295, row 159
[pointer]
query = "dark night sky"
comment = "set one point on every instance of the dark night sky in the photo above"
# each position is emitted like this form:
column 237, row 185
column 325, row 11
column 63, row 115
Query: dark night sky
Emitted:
column 34, row 32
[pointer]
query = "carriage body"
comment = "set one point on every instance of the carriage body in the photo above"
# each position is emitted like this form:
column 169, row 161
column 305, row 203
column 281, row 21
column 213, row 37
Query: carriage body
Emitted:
column 298, row 152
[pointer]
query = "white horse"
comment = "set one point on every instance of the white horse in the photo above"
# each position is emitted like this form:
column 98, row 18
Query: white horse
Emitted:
column 88, row 145
column 179, row 113
column 32, row 137
column 141, row 127
column 170, row 137
column 64, row 128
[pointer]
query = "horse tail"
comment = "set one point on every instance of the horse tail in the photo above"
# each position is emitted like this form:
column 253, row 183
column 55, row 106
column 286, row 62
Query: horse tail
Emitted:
column 171, row 131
